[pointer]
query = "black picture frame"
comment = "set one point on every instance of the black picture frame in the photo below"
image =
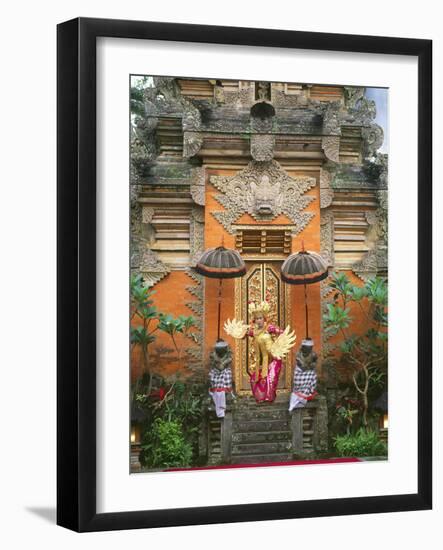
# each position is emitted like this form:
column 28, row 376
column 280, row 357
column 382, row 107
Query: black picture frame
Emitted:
column 77, row 248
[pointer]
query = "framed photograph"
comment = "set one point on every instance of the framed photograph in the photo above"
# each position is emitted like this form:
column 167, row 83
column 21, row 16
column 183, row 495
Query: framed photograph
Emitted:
column 244, row 274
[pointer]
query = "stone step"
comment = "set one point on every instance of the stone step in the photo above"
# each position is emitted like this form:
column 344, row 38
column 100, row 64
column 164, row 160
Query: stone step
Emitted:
column 248, row 403
column 260, row 459
column 262, row 425
column 261, row 437
column 270, row 414
column 261, row 448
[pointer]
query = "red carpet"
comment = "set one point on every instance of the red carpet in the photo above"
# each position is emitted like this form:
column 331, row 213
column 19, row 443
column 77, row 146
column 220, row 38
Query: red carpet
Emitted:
column 261, row 464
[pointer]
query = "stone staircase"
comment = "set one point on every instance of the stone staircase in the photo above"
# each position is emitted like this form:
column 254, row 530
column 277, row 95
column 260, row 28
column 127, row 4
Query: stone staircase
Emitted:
column 254, row 433
column 261, row 433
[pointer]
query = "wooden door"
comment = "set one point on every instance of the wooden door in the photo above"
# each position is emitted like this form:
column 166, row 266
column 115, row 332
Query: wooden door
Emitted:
column 261, row 282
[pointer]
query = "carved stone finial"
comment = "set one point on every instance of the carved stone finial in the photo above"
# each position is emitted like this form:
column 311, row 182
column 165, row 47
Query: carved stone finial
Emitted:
column 152, row 268
column 198, row 185
column 192, row 142
column 262, row 147
column 331, row 147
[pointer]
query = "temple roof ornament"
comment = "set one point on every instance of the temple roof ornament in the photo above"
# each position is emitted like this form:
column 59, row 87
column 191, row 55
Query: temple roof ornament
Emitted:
column 263, row 190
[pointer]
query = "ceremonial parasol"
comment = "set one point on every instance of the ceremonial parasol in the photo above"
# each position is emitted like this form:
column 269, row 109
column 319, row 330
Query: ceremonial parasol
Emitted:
column 304, row 268
column 220, row 263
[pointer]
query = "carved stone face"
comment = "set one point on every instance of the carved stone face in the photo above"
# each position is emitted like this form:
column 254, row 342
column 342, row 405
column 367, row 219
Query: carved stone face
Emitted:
column 221, row 348
column 265, row 197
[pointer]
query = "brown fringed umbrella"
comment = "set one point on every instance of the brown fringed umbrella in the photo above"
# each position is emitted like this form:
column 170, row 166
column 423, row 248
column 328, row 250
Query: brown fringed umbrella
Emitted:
column 304, row 268
column 220, row 263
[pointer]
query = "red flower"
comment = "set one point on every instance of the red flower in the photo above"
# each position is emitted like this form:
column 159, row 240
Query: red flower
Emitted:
column 161, row 393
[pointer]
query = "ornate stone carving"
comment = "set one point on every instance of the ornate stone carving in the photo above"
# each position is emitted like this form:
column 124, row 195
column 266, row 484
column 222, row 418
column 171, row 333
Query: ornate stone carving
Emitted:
column 264, row 90
column 151, row 268
column 143, row 153
column 264, row 190
column 376, row 259
column 331, row 147
column 326, row 191
column 191, row 119
column 147, row 214
column 262, row 147
column 371, row 217
column 382, row 216
column 353, row 95
column 196, row 237
column 326, row 196
column 198, row 185
column 192, row 142
column 331, row 118
column 373, row 139
column 367, row 267
column 327, row 236
column 243, row 96
column 261, row 125
column 364, row 112
column 280, row 99
column 197, row 308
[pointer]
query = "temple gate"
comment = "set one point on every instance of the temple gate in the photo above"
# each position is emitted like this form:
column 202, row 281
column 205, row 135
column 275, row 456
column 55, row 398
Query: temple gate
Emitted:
column 261, row 167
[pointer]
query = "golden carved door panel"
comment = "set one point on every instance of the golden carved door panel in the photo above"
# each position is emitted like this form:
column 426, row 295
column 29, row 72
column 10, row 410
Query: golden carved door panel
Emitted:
column 261, row 282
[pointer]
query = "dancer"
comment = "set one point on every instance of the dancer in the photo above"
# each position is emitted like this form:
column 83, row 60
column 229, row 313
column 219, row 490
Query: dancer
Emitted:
column 270, row 343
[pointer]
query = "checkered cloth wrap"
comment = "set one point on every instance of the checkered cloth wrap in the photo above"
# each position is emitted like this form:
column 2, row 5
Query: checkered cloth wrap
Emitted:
column 305, row 382
column 220, row 380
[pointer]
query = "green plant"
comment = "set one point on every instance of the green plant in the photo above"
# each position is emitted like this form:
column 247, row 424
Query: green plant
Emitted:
column 164, row 446
column 346, row 412
column 362, row 443
column 366, row 353
column 142, row 308
column 176, row 403
column 173, row 327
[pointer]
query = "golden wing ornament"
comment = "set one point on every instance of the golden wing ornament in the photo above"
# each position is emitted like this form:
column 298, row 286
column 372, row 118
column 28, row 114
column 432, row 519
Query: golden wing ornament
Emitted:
column 236, row 329
column 283, row 343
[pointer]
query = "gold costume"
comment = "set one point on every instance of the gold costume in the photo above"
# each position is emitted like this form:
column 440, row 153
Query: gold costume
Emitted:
column 262, row 342
column 268, row 352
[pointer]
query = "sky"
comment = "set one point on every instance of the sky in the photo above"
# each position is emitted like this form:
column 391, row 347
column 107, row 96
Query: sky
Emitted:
column 380, row 96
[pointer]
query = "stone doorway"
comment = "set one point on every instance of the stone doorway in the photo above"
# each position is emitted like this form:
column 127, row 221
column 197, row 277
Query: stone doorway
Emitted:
column 261, row 282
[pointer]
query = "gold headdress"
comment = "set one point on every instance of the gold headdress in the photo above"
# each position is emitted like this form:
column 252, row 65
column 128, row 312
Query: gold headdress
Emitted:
column 262, row 308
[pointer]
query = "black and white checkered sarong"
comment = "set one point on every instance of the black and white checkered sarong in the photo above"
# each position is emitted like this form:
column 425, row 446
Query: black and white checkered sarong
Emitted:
column 220, row 380
column 305, row 381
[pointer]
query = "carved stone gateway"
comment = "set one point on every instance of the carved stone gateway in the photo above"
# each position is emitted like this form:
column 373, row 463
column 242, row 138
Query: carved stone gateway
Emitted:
column 264, row 190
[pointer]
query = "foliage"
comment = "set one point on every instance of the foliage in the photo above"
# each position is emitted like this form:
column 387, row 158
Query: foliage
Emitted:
column 363, row 443
column 175, row 402
column 366, row 353
column 142, row 308
column 346, row 410
column 137, row 100
column 173, row 327
column 164, row 446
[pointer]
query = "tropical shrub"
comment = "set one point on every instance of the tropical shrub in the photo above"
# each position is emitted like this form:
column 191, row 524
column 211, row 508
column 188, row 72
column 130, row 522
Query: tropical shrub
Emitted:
column 182, row 325
column 142, row 308
column 362, row 443
column 365, row 353
column 164, row 446
column 175, row 402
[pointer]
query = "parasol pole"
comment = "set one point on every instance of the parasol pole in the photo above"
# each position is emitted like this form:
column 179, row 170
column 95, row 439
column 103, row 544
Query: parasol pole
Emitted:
column 219, row 307
column 306, row 311
column 306, row 295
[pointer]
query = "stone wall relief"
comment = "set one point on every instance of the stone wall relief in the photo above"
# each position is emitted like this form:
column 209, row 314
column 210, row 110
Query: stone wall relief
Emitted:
column 375, row 261
column 263, row 190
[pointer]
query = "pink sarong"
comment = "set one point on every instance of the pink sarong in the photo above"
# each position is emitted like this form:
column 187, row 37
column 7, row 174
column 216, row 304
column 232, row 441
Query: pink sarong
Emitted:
column 265, row 389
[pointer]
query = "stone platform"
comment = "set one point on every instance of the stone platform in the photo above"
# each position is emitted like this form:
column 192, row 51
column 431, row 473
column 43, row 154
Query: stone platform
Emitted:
column 267, row 432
